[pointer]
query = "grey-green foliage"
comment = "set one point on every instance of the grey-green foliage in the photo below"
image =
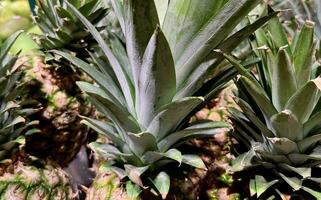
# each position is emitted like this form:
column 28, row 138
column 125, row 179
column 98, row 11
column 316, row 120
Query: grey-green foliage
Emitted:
column 147, row 87
column 280, row 117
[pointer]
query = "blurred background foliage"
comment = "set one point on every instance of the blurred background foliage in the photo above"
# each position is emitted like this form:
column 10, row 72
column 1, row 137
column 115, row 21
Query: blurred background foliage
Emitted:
column 16, row 15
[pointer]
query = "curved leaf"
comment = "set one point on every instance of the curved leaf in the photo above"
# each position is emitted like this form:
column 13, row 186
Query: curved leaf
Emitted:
column 117, row 68
column 162, row 183
column 194, row 160
column 157, row 84
column 169, row 117
column 308, row 96
column 141, row 19
column 286, row 125
column 282, row 79
column 142, row 143
column 209, row 129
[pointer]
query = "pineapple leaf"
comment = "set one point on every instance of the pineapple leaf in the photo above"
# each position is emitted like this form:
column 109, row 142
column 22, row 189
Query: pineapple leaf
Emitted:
column 134, row 173
column 207, row 129
column 282, row 145
column 104, row 129
column 120, row 52
column 197, row 78
column 141, row 143
column 295, row 183
column 286, row 125
column 308, row 96
column 14, row 122
column 157, row 78
column 314, row 193
column 302, row 52
column 246, row 108
column 283, row 80
column 117, row 113
column 6, row 46
column 162, row 184
column 304, row 172
column 104, row 80
column 311, row 123
column 107, row 150
column 141, row 19
column 306, row 143
column 262, row 185
column 279, row 37
column 119, row 12
column 204, row 34
column 153, row 156
column 123, row 81
column 161, row 7
column 132, row 191
column 243, row 161
column 259, row 96
column 303, row 158
column 194, row 160
column 171, row 115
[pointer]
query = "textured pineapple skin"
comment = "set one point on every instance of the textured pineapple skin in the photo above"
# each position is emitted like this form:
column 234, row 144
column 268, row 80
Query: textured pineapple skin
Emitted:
column 61, row 133
column 106, row 186
column 31, row 183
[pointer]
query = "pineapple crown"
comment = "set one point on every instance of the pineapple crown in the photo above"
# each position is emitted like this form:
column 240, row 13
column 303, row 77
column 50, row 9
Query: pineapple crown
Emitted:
column 61, row 29
column 280, row 112
column 152, row 82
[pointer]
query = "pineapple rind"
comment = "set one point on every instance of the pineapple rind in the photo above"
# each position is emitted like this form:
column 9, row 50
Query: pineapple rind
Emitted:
column 29, row 182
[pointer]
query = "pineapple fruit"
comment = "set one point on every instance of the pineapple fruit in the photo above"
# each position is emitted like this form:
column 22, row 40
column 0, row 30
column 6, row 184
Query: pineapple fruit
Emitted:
column 61, row 135
column 147, row 89
column 21, row 177
column 279, row 121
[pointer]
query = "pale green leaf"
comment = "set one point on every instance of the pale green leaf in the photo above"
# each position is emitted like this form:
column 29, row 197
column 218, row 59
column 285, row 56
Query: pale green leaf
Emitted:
column 6, row 46
column 303, row 53
column 302, row 171
column 262, row 185
column 314, row 193
column 282, row 79
column 294, row 182
column 161, row 6
column 308, row 96
column 132, row 191
column 162, row 184
column 194, row 160
column 243, row 161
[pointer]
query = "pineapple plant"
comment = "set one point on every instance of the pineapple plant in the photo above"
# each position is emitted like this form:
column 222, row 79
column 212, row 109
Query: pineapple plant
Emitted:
column 278, row 123
column 52, row 79
column 151, row 86
column 20, row 176
column 61, row 30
